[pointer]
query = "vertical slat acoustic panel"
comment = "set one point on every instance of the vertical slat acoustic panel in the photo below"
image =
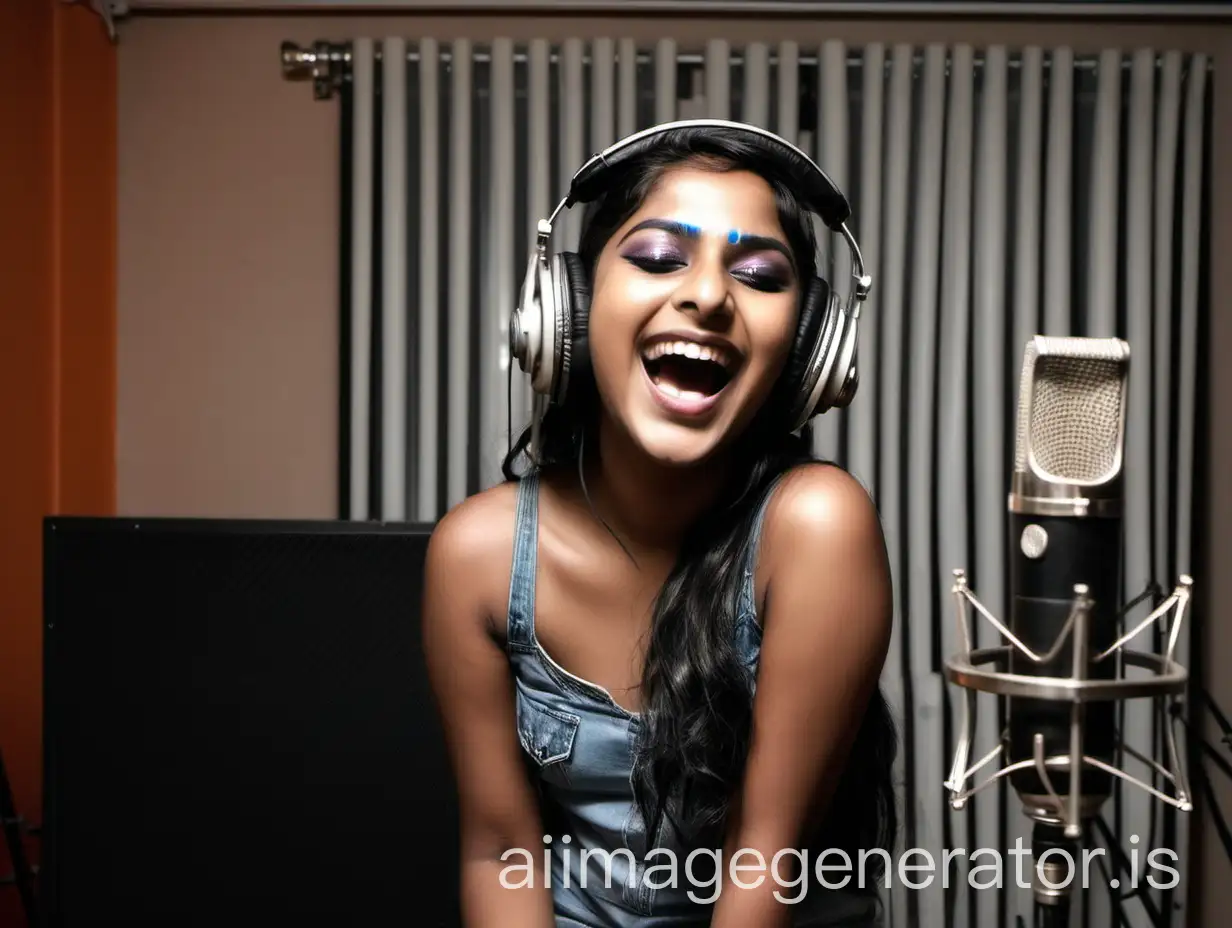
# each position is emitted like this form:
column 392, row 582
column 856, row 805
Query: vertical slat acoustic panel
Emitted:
column 1188, row 358
column 1104, row 173
column 500, row 275
column 427, row 393
column 989, row 412
column 718, row 79
column 807, row 138
column 362, row 77
column 953, row 388
column 756, row 99
column 1167, row 138
column 832, row 261
column 1101, row 191
column 1059, row 190
column 626, row 111
column 921, row 612
column 394, row 381
column 787, row 121
column 1175, row 826
column 1138, row 728
column 889, row 481
column 1027, row 211
column 457, row 437
column 572, row 136
column 862, row 415
column 348, row 253
column 541, row 195
column 833, row 151
column 665, row 80
column 602, row 95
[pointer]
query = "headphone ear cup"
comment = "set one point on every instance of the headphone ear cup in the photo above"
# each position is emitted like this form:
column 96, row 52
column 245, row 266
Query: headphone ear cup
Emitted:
column 561, row 314
column 538, row 320
column 800, row 372
column 574, row 285
column 831, row 381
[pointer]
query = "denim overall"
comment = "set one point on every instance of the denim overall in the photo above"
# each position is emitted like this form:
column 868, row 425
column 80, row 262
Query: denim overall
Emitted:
column 579, row 744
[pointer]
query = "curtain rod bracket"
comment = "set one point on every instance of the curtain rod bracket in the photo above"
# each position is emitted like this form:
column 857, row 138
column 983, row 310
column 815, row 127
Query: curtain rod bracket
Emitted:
column 324, row 63
column 108, row 11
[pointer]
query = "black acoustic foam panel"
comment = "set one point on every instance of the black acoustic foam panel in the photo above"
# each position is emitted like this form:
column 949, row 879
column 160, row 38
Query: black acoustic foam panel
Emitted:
column 239, row 729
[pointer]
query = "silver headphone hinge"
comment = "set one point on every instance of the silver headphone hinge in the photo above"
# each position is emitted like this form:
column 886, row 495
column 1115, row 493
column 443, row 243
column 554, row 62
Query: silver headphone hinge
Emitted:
column 543, row 233
column 863, row 281
column 864, row 284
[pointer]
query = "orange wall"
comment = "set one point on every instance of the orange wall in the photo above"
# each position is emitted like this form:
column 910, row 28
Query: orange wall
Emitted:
column 57, row 333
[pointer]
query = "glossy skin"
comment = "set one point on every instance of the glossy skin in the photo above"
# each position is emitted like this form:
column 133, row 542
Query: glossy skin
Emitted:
column 650, row 283
column 654, row 471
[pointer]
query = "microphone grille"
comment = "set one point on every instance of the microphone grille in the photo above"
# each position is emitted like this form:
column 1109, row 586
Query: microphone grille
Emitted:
column 1071, row 409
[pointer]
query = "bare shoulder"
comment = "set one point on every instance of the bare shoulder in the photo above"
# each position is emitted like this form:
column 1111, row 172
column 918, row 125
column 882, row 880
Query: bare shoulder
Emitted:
column 470, row 552
column 825, row 505
column 823, row 537
column 477, row 528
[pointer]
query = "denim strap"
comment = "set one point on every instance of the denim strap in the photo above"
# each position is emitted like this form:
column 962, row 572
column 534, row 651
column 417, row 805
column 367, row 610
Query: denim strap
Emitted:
column 521, row 626
column 748, row 590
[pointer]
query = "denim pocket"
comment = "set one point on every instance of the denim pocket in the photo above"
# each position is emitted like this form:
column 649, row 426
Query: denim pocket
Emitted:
column 546, row 733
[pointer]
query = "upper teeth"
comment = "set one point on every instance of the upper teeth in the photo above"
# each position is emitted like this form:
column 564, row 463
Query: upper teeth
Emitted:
column 689, row 350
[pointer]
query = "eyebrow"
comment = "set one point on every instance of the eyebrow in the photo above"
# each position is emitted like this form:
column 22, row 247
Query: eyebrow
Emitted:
column 687, row 230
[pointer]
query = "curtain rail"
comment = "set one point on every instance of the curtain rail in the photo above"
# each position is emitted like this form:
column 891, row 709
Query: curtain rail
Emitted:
column 321, row 62
column 1205, row 10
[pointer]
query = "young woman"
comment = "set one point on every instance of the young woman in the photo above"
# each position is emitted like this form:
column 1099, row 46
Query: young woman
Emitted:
column 656, row 651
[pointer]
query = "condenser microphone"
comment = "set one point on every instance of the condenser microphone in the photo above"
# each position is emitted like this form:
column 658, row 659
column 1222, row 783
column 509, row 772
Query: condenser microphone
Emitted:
column 1063, row 652
column 1066, row 537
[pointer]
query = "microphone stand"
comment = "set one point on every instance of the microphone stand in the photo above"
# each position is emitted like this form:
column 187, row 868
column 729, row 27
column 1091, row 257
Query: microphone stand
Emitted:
column 1052, row 906
column 1060, row 821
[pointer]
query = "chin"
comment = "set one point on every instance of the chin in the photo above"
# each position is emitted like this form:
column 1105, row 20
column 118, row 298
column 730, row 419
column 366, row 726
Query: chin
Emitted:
column 672, row 445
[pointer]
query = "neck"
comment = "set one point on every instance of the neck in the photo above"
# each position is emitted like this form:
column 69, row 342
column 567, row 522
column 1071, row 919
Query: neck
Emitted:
column 649, row 505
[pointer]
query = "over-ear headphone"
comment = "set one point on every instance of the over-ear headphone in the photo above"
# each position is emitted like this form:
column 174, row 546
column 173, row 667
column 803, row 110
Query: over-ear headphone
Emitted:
column 548, row 327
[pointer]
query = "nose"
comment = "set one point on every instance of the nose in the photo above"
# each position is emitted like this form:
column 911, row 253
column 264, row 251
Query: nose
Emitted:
column 705, row 291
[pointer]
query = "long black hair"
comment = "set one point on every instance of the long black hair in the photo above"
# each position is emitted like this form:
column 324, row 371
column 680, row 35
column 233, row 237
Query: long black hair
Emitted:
column 696, row 693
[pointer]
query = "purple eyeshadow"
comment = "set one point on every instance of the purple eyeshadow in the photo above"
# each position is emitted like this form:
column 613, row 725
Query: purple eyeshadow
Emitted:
column 653, row 251
column 765, row 267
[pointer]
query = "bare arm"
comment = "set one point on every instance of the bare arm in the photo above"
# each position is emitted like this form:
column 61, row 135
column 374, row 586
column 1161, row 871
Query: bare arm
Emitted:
column 826, row 631
column 473, row 684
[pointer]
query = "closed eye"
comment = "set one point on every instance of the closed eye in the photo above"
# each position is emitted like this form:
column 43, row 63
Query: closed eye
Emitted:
column 765, row 283
column 654, row 265
column 768, row 281
column 756, row 261
column 765, row 276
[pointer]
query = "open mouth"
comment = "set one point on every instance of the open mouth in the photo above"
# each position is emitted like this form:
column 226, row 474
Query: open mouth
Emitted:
column 688, row 371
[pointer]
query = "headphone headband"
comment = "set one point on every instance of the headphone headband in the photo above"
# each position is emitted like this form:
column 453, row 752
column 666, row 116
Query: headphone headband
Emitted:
column 813, row 185
column 820, row 194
